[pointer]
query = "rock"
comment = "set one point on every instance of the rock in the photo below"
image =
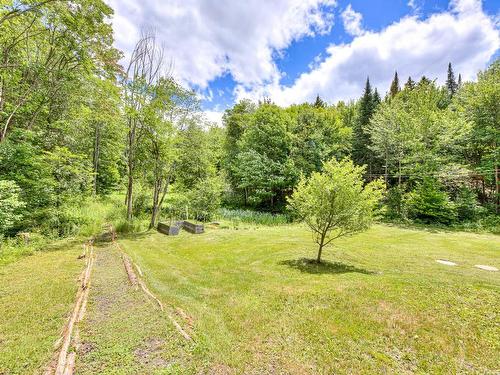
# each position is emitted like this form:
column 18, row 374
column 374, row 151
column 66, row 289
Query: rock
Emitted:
column 446, row 262
column 486, row 268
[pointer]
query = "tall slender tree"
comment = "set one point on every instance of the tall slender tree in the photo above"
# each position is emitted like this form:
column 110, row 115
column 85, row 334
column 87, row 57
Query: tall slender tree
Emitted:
column 410, row 84
column 319, row 103
column 451, row 83
column 361, row 151
column 395, row 88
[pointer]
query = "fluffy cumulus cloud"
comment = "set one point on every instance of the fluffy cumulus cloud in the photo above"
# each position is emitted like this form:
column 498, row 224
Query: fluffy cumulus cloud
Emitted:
column 207, row 39
column 463, row 35
column 352, row 21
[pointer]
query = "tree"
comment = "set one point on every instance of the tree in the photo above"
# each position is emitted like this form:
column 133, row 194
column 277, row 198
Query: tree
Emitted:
column 410, row 84
column 236, row 120
column 144, row 71
column 393, row 91
column 319, row 103
column 376, row 98
column 268, row 142
column 334, row 203
column 451, row 84
column 478, row 104
column 165, row 116
column 414, row 135
column 361, row 153
column 10, row 205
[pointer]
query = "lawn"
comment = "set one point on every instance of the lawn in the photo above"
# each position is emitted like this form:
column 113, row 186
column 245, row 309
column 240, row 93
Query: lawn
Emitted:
column 379, row 303
column 37, row 293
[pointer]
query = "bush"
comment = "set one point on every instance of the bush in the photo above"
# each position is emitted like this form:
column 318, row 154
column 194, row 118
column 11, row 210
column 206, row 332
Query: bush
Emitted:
column 10, row 205
column 428, row 203
column 396, row 204
column 205, row 198
column 467, row 205
column 253, row 217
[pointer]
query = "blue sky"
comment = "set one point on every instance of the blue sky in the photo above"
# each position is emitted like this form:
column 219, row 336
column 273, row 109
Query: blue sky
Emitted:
column 292, row 50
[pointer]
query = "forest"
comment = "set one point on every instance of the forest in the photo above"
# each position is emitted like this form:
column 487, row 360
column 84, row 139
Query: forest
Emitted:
column 78, row 127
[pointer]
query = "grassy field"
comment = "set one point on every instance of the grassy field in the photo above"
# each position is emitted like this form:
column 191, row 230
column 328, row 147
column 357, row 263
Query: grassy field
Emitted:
column 36, row 295
column 379, row 304
column 255, row 304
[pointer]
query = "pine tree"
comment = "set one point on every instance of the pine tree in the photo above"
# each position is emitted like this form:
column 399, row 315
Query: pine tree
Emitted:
column 361, row 152
column 394, row 86
column 451, row 84
column 366, row 104
column 424, row 81
column 410, row 84
column 319, row 103
column 376, row 98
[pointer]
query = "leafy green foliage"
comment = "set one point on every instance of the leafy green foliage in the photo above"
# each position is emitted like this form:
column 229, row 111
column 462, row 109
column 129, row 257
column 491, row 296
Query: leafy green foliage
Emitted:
column 334, row 203
column 10, row 205
column 205, row 198
column 428, row 203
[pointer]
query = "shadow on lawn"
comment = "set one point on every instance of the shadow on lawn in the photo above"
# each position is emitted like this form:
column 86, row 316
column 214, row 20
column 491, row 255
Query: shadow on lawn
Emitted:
column 311, row 266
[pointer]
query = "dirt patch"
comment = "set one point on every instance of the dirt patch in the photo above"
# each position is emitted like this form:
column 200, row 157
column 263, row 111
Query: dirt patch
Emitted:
column 86, row 347
column 219, row 370
column 149, row 354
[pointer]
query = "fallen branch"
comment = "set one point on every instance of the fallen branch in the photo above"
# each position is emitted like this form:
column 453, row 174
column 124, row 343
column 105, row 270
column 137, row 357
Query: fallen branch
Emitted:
column 63, row 363
column 128, row 268
column 137, row 280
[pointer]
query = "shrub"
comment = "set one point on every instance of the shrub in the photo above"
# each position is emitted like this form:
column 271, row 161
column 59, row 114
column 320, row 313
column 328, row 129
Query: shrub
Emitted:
column 205, row 198
column 428, row 203
column 396, row 204
column 253, row 217
column 467, row 205
column 10, row 205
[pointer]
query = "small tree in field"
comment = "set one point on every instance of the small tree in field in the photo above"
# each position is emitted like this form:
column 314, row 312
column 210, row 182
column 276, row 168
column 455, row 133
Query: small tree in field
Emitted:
column 334, row 203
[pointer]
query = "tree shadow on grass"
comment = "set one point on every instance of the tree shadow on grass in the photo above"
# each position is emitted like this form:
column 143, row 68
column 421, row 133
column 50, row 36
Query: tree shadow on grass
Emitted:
column 325, row 267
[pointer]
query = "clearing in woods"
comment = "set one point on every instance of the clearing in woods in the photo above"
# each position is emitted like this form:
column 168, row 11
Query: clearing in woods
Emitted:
column 253, row 305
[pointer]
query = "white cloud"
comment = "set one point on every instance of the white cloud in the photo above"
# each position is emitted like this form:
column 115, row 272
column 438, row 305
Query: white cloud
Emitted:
column 464, row 36
column 352, row 21
column 207, row 39
column 214, row 117
column 413, row 5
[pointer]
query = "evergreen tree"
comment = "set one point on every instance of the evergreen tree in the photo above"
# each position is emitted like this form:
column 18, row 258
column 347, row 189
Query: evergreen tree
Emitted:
column 376, row 98
column 361, row 152
column 459, row 80
column 394, row 86
column 424, row 81
column 451, row 84
column 410, row 84
column 319, row 103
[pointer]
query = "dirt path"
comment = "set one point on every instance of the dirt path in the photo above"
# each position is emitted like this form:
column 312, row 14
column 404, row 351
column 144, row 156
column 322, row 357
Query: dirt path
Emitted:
column 124, row 331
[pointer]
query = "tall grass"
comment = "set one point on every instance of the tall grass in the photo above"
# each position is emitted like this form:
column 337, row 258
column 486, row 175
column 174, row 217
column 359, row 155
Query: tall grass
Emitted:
column 252, row 217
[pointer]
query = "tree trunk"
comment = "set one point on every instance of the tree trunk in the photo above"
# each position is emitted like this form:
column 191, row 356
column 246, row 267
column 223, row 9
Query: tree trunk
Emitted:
column 497, row 188
column 97, row 144
column 155, row 209
column 129, row 195
column 399, row 173
column 130, row 168
column 321, row 245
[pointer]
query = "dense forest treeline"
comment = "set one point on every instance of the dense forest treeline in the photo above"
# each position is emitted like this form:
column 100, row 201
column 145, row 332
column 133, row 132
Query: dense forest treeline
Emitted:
column 76, row 126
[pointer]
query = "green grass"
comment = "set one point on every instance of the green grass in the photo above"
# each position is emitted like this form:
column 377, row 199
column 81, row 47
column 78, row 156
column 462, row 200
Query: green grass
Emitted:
column 124, row 332
column 36, row 296
column 251, row 217
column 380, row 303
